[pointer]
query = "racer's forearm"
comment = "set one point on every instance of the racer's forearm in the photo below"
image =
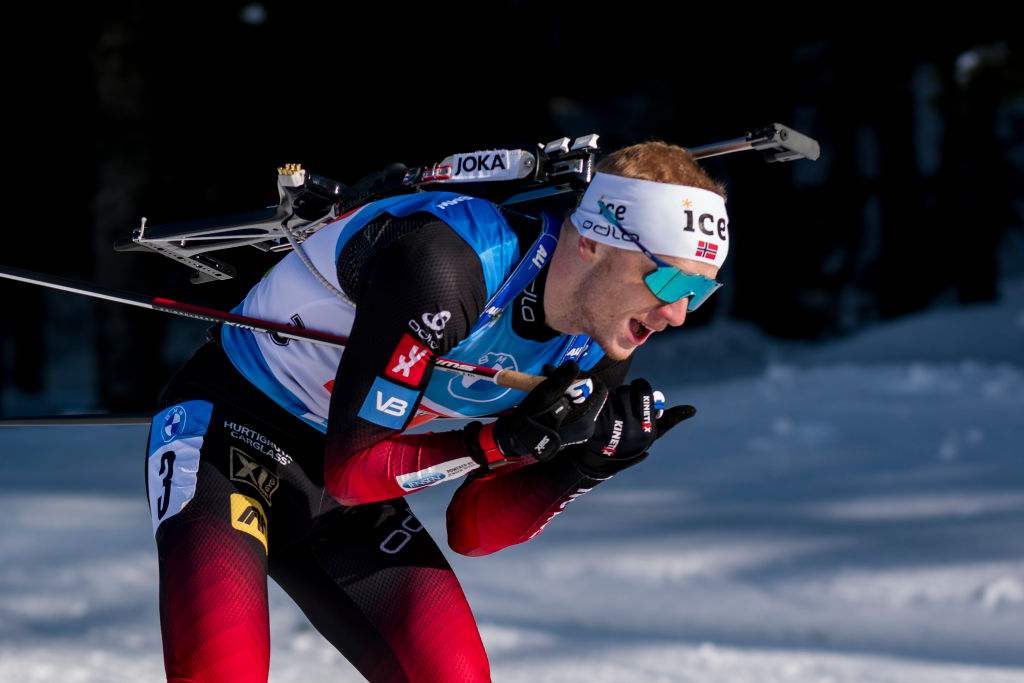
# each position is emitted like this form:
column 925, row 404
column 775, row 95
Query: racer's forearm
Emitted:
column 512, row 505
column 395, row 466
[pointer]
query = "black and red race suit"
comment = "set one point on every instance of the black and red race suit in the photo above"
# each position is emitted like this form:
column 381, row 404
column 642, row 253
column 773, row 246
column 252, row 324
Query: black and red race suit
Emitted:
column 243, row 484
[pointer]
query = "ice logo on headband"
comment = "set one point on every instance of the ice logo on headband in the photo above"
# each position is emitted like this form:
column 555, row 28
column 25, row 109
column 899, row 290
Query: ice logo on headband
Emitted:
column 609, row 228
column 648, row 208
column 708, row 223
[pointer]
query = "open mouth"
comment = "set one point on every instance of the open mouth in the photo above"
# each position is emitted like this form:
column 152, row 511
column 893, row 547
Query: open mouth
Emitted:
column 640, row 331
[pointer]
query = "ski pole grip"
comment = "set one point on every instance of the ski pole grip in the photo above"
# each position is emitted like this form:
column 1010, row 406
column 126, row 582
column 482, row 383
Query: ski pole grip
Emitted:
column 513, row 379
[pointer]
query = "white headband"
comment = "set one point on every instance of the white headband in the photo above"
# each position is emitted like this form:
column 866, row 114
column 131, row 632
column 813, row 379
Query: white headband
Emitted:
column 672, row 220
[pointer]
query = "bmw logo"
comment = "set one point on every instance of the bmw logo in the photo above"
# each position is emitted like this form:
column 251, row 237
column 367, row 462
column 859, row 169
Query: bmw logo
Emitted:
column 174, row 423
column 483, row 390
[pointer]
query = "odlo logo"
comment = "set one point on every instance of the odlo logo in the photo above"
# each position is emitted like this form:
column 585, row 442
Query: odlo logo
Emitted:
column 247, row 516
column 431, row 328
column 436, row 321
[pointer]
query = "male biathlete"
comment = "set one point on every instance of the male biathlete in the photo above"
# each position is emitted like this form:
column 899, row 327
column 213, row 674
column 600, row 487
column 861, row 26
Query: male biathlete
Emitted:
column 285, row 458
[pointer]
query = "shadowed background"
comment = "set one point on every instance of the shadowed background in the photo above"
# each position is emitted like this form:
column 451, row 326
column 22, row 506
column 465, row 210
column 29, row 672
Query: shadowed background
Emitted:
column 185, row 110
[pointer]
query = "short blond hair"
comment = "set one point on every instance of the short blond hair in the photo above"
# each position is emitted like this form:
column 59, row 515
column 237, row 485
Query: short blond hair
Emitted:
column 660, row 162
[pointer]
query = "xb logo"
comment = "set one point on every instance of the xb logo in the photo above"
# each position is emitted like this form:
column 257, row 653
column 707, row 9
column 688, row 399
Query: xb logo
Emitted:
column 408, row 361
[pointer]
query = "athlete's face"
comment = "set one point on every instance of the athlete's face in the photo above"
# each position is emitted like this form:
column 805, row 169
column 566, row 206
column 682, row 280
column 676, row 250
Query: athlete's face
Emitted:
column 614, row 305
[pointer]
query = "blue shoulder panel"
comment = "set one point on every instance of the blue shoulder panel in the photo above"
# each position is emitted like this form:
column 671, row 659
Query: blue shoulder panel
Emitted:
column 476, row 221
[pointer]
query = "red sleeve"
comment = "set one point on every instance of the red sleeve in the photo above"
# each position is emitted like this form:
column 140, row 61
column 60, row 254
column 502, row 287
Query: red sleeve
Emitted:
column 514, row 503
column 511, row 505
column 397, row 466
column 418, row 299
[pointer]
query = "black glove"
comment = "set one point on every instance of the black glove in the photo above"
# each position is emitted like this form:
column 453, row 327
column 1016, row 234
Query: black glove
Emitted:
column 559, row 411
column 626, row 428
column 586, row 396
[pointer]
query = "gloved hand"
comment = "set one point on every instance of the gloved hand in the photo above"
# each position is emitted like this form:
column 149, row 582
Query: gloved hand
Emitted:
column 561, row 410
column 626, row 428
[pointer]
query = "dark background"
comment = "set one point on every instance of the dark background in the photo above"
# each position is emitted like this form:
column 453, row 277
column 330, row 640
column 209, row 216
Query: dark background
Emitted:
column 186, row 109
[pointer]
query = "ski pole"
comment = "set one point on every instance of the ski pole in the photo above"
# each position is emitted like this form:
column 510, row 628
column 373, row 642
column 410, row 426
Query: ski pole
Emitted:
column 511, row 379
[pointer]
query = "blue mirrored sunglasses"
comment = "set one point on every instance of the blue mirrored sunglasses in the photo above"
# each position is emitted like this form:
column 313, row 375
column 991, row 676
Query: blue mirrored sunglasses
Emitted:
column 668, row 283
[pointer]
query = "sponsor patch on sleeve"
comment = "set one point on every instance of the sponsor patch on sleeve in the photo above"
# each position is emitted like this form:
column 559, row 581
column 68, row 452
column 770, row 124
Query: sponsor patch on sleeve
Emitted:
column 175, row 441
column 245, row 469
column 247, row 515
column 388, row 404
column 409, row 361
column 430, row 476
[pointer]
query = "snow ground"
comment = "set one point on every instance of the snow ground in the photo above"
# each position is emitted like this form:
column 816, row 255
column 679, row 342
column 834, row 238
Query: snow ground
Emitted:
column 837, row 513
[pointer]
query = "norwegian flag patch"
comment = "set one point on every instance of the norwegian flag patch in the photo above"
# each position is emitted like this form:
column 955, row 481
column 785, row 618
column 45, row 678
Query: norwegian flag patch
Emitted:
column 707, row 250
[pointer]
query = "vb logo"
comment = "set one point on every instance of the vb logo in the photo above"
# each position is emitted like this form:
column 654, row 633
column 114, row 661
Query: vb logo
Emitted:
column 393, row 406
column 388, row 404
